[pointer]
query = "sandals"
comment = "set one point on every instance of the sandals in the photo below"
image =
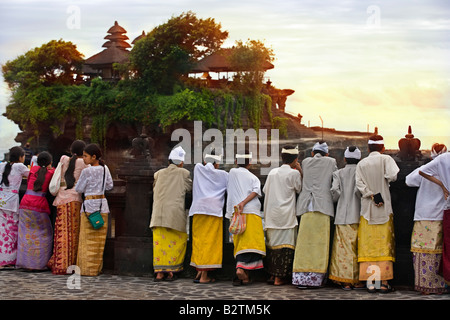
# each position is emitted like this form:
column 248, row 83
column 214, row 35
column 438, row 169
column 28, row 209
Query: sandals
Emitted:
column 239, row 282
column 386, row 288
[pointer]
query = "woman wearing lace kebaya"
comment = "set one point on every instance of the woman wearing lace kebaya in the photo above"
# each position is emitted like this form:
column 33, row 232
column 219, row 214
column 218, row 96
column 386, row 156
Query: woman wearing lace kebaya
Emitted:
column 11, row 175
column 93, row 182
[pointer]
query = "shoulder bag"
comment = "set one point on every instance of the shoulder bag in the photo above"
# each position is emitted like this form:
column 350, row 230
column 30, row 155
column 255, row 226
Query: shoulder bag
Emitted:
column 55, row 183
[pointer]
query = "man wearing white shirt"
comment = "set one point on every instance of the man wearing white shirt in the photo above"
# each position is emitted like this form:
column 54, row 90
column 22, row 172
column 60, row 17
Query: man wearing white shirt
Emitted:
column 376, row 242
column 208, row 192
column 315, row 207
column 243, row 191
column 438, row 171
column 281, row 189
column 344, row 268
column 426, row 238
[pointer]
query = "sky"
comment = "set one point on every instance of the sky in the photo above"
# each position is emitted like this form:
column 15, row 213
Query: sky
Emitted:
column 356, row 64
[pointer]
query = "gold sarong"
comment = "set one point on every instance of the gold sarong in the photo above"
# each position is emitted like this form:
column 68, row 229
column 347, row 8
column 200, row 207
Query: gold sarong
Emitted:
column 313, row 243
column 91, row 245
column 376, row 249
column 207, row 241
column 344, row 259
column 252, row 240
column 169, row 249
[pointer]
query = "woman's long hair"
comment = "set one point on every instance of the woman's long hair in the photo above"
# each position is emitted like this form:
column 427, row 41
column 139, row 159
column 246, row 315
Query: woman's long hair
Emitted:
column 43, row 160
column 76, row 149
column 93, row 149
column 14, row 156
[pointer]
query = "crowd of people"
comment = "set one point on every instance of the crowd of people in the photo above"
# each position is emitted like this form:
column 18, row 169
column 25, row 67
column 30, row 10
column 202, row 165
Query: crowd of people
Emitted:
column 291, row 236
column 28, row 240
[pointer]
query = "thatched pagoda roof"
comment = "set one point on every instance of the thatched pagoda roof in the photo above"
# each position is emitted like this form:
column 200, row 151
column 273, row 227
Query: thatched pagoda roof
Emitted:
column 218, row 62
column 108, row 56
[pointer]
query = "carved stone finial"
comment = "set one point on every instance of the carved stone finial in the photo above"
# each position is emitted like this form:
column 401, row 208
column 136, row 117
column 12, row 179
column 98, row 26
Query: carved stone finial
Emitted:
column 409, row 147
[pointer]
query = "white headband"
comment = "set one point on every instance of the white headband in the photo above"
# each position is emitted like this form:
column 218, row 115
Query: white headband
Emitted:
column 217, row 158
column 290, row 151
column 376, row 142
column 321, row 147
column 356, row 154
column 244, row 156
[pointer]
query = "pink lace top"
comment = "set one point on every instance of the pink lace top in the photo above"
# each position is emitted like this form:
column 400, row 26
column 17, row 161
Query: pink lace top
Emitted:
column 64, row 195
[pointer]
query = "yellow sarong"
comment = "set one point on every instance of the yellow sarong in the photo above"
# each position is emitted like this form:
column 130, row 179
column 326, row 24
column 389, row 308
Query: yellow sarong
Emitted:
column 169, row 249
column 252, row 240
column 91, row 245
column 344, row 259
column 376, row 242
column 207, row 241
column 376, row 249
column 313, row 243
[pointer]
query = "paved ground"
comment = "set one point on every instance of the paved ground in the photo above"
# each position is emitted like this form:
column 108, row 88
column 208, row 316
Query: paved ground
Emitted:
column 110, row 295
column 23, row 285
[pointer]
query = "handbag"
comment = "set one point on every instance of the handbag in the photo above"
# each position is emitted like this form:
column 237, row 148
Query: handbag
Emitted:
column 55, row 183
column 95, row 218
column 238, row 222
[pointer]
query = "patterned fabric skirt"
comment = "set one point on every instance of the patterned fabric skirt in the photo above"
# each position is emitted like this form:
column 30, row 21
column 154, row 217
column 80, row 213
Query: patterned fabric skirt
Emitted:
column 280, row 245
column 376, row 250
column 426, row 277
column 312, row 250
column 9, row 224
column 445, row 266
column 426, row 246
column 169, row 249
column 344, row 266
column 207, row 242
column 35, row 240
column 65, row 242
column 250, row 246
column 91, row 245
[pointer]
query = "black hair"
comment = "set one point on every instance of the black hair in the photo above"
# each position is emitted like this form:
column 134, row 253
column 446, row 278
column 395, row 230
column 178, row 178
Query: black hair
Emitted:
column 288, row 158
column 76, row 149
column 376, row 147
column 44, row 159
column 15, row 153
column 93, row 149
column 244, row 162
